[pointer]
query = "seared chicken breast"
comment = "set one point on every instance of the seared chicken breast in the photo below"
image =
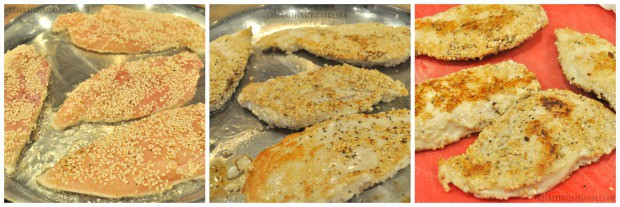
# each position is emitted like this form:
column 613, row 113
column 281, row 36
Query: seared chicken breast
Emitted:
column 474, row 31
column 589, row 62
column 26, row 76
column 313, row 96
column 132, row 90
column 533, row 147
column 227, row 60
column 332, row 161
column 361, row 44
column 466, row 102
column 142, row 158
column 121, row 30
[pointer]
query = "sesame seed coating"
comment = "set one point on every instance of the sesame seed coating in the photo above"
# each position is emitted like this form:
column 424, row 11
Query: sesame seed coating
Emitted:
column 314, row 96
column 362, row 44
column 26, row 77
column 121, row 30
column 145, row 157
column 132, row 90
column 228, row 56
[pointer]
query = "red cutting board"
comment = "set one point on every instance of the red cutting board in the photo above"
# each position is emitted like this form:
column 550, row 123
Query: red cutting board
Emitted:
column 592, row 183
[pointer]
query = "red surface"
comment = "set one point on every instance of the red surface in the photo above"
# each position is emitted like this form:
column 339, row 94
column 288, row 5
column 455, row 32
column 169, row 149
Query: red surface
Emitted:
column 591, row 183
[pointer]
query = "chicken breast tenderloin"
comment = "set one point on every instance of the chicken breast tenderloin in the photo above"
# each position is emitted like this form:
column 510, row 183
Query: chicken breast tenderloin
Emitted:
column 26, row 76
column 589, row 62
column 132, row 90
column 145, row 157
column 533, row 147
column 362, row 44
column 314, row 96
column 477, row 30
column 332, row 161
column 466, row 102
column 118, row 29
column 228, row 57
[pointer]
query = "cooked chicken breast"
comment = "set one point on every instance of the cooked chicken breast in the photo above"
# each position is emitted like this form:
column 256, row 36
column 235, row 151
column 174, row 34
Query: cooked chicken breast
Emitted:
column 121, row 30
column 474, row 31
column 332, row 161
column 145, row 157
column 361, row 44
column 132, row 90
column 313, row 96
column 533, row 147
column 466, row 102
column 26, row 76
column 227, row 60
column 589, row 62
